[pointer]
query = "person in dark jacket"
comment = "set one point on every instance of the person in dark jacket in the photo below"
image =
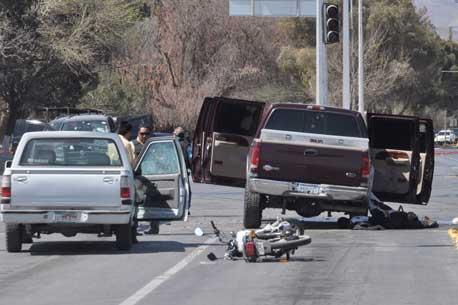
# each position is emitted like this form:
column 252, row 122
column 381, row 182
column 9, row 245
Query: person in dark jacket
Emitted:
column 179, row 133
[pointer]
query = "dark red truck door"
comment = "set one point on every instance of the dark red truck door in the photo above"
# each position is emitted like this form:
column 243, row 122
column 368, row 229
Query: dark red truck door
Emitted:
column 225, row 129
column 402, row 155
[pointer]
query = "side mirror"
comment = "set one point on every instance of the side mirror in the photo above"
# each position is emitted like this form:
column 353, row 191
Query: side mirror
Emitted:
column 8, row 164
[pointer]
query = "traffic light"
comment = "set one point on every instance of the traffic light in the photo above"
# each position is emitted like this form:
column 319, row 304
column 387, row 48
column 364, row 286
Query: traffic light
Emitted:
column 331, row 23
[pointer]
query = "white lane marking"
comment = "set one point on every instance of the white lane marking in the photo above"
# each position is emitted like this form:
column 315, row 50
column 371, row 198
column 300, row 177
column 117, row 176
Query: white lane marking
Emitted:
column 158, row 280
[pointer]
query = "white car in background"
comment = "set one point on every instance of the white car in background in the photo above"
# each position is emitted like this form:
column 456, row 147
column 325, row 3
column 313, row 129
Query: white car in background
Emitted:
column 445, row 136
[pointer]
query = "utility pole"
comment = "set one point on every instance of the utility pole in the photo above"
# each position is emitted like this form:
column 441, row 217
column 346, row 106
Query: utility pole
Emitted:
column 321, row 60
column 445, row 119
column 346, row 91
column 360, row 58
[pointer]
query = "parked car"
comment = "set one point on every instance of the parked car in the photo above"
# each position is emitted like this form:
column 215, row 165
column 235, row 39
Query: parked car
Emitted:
column 84, row 122
column 445, row 137
column 310, row 158
column 23, row 125
column 82, row 182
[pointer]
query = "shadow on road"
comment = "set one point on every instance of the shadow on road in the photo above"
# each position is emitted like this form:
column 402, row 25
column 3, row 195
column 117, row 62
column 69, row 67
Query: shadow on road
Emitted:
column 107, row 247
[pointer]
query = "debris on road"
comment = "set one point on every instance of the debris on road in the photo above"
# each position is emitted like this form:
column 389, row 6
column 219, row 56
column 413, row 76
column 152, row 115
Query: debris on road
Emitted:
column 384, row 217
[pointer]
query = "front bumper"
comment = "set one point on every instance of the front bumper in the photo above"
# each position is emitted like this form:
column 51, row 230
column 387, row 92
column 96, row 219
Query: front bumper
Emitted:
column 65, row 217
column 290, row 189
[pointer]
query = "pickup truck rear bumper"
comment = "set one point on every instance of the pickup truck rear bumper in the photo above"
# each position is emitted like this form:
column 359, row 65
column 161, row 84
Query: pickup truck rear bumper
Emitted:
column 65, row 217
column 321, row 191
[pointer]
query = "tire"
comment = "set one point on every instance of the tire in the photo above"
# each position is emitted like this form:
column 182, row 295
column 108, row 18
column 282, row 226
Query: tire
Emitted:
column 13, row 238
column 124, row 237
column 252, row 213
column 291, row 244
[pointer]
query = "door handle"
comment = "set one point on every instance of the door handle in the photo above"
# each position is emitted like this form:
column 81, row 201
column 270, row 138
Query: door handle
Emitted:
column 108, row 180
column 21, row 179
column 310, row 152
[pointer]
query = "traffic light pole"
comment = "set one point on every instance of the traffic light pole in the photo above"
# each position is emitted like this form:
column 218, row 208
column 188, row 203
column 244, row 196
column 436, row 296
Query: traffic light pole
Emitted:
column 321, row 59
column 346, row 91
column 360, row 58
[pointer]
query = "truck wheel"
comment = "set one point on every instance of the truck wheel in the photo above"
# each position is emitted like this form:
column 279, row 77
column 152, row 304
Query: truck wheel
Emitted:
column 124, row 237
column 13, row 238
column 252, row 213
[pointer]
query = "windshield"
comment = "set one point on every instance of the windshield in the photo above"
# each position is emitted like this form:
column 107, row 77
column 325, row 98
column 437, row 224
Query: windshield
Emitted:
column 90, row 125
column 71, row 152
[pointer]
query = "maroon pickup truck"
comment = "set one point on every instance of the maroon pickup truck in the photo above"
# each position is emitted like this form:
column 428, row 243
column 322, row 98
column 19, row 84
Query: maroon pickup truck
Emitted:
column 310, row 158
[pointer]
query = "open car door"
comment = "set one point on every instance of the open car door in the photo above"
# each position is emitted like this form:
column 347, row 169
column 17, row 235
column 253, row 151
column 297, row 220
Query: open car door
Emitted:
column 402, row 155
column 162, row 183
column 225, row 129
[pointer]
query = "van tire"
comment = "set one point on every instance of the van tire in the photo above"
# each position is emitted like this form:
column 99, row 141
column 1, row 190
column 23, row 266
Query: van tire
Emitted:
column 124, row 237
column 252, row 214
column 13, row 238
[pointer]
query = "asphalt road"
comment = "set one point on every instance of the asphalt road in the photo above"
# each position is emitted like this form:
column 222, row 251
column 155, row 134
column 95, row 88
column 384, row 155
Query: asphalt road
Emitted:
column 339, row 267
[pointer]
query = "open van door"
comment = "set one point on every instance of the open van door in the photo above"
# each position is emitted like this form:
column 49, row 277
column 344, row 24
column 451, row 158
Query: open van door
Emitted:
column 401, row 153
column 162, row 183
column 225, row 129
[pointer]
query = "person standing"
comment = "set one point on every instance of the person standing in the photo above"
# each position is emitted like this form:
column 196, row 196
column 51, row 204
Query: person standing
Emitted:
column 125, row 133
column 142, row 137
column 179, row 133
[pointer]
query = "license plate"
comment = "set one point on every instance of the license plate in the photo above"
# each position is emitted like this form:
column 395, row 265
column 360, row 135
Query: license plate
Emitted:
column 308, row 189
column 66, row 217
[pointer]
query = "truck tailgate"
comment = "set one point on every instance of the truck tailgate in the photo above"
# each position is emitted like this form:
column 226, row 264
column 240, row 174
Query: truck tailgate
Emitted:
column 66, row 188
column 311, row 158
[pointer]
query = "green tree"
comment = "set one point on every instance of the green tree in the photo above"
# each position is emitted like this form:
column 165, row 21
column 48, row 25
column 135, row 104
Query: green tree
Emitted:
column 49, row 49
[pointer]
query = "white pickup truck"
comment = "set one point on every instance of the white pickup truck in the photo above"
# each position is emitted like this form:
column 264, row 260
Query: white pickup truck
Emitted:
column 81, row 182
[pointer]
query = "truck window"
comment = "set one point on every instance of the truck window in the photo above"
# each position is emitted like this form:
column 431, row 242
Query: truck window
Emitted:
column 161, row 158
column 71, row 152
column 319, row 122
column 234, row 118
column 392, row 135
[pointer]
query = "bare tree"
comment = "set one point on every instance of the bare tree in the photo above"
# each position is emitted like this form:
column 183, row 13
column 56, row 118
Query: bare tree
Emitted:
column 190, row 49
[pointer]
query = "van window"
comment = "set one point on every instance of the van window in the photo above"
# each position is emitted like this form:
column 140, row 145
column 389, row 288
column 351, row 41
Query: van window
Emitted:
column 319, row 122
column 71, row 152
column 237, row 118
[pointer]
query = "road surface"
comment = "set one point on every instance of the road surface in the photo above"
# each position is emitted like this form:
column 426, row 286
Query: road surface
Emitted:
column 340, row 266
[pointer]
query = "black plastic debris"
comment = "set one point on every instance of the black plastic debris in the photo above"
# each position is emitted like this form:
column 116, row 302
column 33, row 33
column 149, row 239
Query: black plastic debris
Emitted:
column 211, row 256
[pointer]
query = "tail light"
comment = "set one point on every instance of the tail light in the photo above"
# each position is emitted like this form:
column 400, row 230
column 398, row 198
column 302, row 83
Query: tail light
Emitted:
column 125, row 189
column 255, row 155
column 365, row 166
column 250, row 249
column 6, row 189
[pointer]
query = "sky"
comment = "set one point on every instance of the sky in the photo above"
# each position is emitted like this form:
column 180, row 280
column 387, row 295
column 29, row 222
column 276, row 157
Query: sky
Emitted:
column 443, row 13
